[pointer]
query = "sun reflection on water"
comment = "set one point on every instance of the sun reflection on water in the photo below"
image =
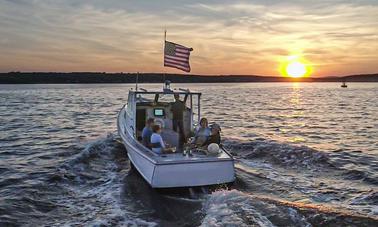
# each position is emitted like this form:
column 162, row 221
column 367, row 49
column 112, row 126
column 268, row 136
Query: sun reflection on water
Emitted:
column 295, row 114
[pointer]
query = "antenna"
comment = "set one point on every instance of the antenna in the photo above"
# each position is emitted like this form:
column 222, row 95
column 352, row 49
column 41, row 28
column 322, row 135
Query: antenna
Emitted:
column 136, row 82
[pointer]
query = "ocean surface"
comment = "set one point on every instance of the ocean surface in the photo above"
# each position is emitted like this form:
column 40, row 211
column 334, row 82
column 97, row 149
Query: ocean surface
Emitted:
column 306, row 155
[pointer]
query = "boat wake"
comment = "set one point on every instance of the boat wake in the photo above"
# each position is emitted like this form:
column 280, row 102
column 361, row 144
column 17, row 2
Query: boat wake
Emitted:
column 241, row 209
column 92, row 183
column 299, row 173
column 279, row 153
column 352, row 166
column 277, row 184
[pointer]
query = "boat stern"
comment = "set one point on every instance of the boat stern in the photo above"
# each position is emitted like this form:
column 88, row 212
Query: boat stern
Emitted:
column 193, row 174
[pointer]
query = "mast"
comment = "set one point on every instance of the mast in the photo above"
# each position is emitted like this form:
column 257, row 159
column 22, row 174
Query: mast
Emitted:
column 165, row 38
column 136, row 81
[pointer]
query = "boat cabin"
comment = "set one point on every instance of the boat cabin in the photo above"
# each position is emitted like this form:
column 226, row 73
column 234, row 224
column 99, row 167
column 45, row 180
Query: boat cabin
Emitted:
column 143, row 104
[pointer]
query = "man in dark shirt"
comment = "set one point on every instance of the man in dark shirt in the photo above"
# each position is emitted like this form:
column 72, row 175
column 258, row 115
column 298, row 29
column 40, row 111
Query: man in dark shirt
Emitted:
column 178, row 108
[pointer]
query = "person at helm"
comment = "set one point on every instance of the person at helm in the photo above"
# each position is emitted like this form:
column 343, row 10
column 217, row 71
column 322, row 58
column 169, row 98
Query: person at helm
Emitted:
column 178, row 108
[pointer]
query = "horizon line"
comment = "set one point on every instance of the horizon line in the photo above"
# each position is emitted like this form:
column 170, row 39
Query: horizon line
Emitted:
column 188, row 74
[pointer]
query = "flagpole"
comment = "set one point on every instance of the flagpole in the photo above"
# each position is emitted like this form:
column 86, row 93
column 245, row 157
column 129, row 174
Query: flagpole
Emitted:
column 165, row 38
column 136, row 82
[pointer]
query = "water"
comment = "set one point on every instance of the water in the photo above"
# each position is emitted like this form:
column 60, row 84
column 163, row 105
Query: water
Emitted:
column 306, row 155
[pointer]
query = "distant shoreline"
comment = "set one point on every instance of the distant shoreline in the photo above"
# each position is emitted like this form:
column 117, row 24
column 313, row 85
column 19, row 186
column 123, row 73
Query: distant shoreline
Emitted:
column 93, row 78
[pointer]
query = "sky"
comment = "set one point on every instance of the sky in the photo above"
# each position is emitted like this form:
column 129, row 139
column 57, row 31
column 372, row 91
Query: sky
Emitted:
column 334, row 37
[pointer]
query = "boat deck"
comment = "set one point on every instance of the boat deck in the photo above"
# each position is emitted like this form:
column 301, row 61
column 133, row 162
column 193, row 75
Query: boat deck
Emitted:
column 196, row 157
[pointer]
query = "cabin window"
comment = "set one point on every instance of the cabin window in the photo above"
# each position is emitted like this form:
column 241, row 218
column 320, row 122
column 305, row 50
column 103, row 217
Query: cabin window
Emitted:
column 166, row 98
column 140, row 122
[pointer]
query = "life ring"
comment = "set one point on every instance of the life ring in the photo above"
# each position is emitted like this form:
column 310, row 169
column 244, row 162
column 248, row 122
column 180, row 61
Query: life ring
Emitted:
column 160, row 122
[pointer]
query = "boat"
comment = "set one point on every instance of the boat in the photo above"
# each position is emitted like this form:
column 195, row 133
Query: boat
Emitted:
column 187, row 167
column 344, row 85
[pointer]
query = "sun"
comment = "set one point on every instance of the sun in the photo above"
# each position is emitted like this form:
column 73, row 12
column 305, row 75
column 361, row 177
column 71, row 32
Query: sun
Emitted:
column 296, row 69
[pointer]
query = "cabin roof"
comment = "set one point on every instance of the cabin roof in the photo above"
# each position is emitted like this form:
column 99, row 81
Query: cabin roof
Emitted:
column 180, row 92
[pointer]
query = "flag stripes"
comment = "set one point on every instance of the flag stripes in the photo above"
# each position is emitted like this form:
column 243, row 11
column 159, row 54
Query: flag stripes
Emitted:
column 177, row 56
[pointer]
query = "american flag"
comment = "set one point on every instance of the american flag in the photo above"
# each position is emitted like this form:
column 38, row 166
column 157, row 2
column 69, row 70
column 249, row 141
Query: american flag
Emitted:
column 177, row 56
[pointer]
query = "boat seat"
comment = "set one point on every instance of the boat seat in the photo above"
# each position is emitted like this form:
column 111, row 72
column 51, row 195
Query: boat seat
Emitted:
column 171, row 137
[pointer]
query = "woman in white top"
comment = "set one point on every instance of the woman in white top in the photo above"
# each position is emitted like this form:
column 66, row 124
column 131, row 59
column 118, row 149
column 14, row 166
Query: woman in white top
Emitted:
column 157, row 142
column 202, row 133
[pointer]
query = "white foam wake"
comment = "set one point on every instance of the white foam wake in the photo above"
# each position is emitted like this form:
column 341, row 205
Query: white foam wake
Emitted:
column 235, row 208
column 94, row 193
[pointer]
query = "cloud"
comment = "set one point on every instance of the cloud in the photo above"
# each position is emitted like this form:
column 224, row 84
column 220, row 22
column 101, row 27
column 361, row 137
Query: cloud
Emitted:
column 228, row 37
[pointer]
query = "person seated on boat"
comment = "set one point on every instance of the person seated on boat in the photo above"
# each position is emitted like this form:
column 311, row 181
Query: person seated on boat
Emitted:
column 202, row 133
column 215, row 136
column 157, row 143
column 178, row 107
column 147, row 132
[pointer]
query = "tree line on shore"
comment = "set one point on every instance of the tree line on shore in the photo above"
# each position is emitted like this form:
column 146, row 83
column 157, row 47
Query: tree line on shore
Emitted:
column 94, row 77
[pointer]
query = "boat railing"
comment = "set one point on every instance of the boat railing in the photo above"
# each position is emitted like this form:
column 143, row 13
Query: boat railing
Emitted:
column 227, row 152
column 145, row 149
column 146, row 152
column 139, row 145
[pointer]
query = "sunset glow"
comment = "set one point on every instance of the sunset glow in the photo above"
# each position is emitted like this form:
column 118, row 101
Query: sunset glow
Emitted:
column 228, row 37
